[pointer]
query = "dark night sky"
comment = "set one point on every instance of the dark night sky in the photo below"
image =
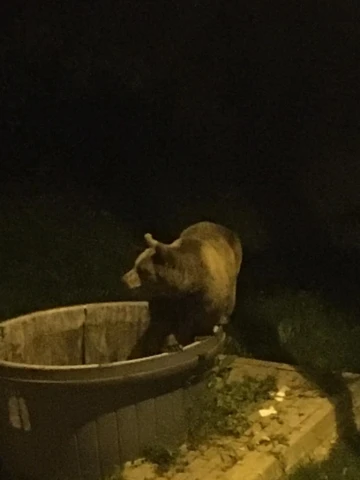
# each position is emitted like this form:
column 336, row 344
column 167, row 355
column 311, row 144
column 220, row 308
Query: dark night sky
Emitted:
column 149, row 105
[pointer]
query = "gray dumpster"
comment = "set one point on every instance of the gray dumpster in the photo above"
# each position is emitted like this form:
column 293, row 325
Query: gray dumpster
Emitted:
column 72, row 406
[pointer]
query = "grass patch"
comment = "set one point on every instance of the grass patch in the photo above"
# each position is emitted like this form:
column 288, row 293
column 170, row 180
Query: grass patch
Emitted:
column 303, row 327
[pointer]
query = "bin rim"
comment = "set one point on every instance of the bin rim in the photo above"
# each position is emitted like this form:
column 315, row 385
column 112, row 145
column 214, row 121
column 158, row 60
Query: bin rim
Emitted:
column 155, row 366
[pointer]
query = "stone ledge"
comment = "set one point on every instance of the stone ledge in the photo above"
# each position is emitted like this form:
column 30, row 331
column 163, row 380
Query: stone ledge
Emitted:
column 311, row 438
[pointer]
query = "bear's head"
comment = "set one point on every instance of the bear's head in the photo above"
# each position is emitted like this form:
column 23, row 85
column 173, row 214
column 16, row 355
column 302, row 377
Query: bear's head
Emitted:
column 150, row 274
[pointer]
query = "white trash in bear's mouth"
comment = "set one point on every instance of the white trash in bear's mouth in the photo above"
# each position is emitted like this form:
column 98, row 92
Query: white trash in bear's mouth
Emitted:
column 132, row 279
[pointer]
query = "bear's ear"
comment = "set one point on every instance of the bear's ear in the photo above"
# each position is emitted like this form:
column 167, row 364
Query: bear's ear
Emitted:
column 162, row 250
column 150, row 240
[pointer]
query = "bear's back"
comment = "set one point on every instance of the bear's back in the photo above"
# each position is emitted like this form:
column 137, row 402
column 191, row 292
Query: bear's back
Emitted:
column 213, row 233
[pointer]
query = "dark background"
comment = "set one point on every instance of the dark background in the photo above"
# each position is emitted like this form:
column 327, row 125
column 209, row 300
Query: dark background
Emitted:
column 148, row 108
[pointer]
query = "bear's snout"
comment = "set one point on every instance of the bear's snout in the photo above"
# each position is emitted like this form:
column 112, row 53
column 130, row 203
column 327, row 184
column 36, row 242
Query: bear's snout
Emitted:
column 131, row 279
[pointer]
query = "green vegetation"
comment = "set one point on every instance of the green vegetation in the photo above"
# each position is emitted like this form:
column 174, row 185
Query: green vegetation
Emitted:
column 162, row 457
column 305, row 326
column 224, row 407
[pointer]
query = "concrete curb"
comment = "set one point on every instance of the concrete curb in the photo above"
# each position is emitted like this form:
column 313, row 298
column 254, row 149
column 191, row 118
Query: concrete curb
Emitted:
column 310, row 437
column 301, row 428
column 318, row 429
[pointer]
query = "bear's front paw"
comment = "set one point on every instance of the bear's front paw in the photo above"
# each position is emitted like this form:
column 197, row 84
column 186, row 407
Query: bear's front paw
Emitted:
column 174, row 348
column 172, row 345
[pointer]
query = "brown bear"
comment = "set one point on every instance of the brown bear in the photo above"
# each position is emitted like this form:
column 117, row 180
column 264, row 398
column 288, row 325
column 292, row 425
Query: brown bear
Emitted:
column 190, row 284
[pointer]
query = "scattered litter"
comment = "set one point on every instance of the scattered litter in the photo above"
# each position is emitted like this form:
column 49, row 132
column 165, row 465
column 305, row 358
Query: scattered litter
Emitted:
column 280, row 395
column 265, row 412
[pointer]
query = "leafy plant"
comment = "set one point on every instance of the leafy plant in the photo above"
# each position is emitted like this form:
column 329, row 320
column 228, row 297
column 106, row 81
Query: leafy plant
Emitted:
column 224, row 408
column 161, row 456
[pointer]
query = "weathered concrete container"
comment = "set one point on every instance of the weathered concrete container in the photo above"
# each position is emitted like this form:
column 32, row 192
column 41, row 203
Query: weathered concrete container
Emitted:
column 72, row 406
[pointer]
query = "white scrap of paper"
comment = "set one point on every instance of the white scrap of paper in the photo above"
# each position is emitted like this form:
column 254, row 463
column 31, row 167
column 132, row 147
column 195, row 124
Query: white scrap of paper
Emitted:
column 280, row 395
column 265, row 412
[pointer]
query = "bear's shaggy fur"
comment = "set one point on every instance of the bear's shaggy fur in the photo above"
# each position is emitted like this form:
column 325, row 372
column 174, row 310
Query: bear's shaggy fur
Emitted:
column 190, row 283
